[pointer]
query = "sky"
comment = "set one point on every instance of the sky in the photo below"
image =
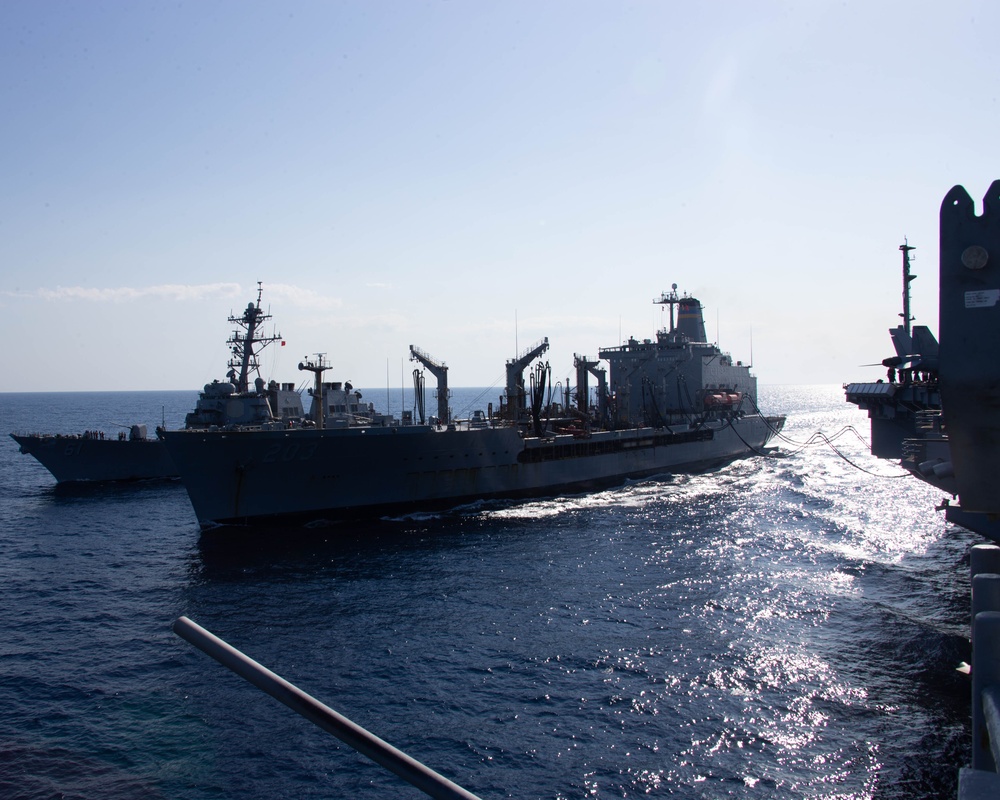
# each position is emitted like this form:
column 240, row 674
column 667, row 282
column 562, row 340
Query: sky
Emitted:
column 471, row 177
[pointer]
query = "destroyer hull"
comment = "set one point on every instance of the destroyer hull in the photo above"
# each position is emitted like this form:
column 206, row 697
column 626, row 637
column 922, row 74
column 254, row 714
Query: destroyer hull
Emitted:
column 79, row 459
column 310, row 476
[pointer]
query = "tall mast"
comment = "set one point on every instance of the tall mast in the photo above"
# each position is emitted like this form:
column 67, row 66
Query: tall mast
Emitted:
column 907, row 277
column 670, row 299
column 243, row 343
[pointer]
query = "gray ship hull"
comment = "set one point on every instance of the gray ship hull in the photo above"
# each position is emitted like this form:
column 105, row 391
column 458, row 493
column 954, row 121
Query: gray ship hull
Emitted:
column 308, row 476
column 81, row 459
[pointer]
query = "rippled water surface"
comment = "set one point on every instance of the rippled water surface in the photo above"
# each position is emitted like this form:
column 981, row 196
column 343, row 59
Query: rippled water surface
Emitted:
column 783, row 627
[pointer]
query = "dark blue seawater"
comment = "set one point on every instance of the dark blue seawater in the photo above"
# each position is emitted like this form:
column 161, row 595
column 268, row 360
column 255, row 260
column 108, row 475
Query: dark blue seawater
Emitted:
column 780, row 628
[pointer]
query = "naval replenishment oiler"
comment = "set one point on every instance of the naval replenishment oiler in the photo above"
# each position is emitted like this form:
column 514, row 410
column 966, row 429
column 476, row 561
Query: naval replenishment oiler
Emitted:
column 95, row 457
column 675, row 403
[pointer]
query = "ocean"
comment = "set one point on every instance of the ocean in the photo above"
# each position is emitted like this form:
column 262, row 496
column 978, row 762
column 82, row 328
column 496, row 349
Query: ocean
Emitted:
column 782, row 627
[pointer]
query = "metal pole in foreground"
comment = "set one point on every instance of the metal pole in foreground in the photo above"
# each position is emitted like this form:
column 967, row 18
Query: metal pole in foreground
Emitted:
column 368, row 744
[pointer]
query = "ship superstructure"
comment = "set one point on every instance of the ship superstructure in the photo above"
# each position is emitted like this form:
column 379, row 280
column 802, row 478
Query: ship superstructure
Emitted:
column 96, row 457
column 676, row 376
column 234, row 401
column 903, row 404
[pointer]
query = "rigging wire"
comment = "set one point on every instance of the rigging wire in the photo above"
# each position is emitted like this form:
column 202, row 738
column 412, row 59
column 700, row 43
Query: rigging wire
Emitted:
column 816, row 438
column 472, row 403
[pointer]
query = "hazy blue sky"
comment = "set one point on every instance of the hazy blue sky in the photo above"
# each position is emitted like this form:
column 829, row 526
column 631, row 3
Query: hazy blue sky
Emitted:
column 470, row 177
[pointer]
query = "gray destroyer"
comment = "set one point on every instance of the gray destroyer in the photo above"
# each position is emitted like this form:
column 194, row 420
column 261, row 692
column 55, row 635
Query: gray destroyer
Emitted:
column 94, row 456
column 673, row 403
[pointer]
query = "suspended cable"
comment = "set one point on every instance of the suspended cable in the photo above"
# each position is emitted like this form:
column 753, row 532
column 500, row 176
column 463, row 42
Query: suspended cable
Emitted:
column 816, row 438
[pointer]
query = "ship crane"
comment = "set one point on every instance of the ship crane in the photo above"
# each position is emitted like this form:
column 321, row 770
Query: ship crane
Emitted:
column 585, row 366
column 515, row 377
column 440, row 371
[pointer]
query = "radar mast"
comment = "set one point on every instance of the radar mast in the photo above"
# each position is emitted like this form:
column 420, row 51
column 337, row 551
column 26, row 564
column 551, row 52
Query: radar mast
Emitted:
column 244, row 343
column 907, row 277
column 670, row 299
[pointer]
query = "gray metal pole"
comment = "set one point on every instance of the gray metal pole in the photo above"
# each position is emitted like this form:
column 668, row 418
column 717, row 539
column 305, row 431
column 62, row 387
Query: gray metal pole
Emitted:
column 379, row 751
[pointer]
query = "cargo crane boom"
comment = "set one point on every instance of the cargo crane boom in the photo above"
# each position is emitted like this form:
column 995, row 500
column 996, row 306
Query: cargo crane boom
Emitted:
column 584, row 367
column 515, row 377
column 440, row 371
